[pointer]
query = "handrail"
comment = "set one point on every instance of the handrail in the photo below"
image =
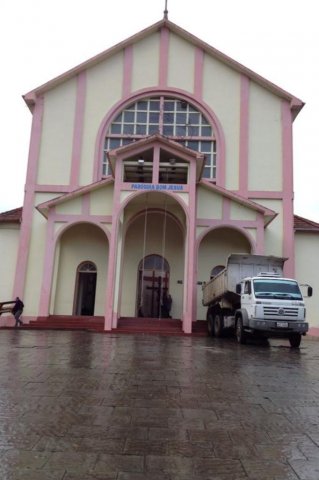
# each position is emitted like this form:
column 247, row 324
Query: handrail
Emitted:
column 6, row 309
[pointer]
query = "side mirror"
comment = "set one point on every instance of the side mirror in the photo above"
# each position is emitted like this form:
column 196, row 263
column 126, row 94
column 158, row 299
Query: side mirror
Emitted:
column 309, row 292
column 238, row 288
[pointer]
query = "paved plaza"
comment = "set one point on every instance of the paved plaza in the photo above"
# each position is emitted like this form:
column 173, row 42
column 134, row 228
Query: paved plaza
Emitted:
column 82, row 406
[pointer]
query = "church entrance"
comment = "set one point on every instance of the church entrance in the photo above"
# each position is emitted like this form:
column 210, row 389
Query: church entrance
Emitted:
column 153, row 285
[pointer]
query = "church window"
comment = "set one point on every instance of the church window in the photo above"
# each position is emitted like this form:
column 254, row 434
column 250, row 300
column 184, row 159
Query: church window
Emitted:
column 171, row 117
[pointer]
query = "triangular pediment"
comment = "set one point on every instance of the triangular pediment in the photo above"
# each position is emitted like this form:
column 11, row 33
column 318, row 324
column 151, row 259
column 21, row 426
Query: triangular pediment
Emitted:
column 145, row 148
column 239, row 202
column 296, row 104
column 73, row 196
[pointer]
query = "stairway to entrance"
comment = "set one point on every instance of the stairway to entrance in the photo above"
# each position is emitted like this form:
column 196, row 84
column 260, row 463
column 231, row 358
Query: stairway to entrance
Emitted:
column 128, row 325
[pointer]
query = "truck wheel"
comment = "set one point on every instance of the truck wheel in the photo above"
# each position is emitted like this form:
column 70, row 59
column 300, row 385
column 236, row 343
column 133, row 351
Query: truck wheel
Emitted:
column 295, row 340
column 210, row 325
column 240, row 333
column 218, row 325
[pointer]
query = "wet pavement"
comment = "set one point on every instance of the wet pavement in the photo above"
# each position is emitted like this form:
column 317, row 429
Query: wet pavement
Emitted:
column 82, row 406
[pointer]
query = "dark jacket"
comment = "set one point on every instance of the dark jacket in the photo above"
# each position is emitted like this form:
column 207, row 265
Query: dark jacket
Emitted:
column 18, row 306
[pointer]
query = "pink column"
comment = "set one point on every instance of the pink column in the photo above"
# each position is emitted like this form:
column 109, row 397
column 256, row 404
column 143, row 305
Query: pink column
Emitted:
column 156, row 162
column 190, row 286
column 110, row 317
column 48, row 266
column 287, row 176
column 244, row 136
column 163, row 57
column 127, row 71
column 78, row 130
column 28, row 206
column 198, row 73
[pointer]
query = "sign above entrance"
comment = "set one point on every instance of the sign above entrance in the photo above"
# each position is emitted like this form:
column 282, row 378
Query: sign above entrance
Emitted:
column 161, row 186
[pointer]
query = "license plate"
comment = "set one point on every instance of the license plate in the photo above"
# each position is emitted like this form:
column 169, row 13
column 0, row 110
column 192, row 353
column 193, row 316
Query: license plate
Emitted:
column 282, row 324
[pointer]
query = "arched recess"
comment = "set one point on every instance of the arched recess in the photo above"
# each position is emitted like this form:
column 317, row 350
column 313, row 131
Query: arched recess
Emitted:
column 152, row 228
column 78, row 243
column 169, row 93
column 85, row 289
column 214, row 248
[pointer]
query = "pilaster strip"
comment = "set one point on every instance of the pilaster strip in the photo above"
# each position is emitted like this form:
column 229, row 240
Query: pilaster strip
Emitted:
column 244, row 136
column 78, row 129
column 28, row 206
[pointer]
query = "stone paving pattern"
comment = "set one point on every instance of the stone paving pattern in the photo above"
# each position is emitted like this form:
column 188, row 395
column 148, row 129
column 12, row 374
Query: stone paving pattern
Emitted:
column 84, row 406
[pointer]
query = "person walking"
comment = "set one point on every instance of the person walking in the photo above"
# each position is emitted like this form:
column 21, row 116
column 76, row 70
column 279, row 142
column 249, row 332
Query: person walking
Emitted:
column 17, row 311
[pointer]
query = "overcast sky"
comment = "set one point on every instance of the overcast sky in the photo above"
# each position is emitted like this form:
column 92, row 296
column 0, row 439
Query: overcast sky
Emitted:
column 41, row 39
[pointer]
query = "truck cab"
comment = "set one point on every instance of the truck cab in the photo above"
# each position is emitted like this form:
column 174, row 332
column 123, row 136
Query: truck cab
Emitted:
column 271, row 306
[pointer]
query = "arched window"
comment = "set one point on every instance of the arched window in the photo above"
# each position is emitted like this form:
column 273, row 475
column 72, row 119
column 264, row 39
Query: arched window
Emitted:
column 216, row 270
column 171, row 117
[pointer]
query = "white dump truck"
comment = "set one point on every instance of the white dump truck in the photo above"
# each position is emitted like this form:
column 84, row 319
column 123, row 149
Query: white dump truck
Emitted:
column 250, row 296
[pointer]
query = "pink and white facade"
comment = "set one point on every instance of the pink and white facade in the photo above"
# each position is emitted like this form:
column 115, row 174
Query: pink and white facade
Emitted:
column 148, row 165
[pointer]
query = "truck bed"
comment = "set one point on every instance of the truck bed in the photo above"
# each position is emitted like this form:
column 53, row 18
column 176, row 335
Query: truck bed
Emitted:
column 239, row 266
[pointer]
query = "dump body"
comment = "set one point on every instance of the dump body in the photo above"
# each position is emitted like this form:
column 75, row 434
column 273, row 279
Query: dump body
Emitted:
column 239, row 266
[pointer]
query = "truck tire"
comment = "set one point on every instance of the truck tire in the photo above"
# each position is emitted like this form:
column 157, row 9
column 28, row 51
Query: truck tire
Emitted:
column 210, row 324
column 240, row 333
column 295, row 340
column 218, row 324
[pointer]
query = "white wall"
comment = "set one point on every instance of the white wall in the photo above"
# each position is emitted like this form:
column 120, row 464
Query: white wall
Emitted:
column 307, row 271
column 9, row 242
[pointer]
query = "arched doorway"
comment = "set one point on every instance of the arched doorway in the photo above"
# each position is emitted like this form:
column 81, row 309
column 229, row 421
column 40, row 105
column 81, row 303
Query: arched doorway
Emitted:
column 214, row 249
column 85, row 288
column 152, row 286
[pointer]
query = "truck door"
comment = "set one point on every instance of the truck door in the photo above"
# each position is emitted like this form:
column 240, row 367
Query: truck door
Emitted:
column 246, row 298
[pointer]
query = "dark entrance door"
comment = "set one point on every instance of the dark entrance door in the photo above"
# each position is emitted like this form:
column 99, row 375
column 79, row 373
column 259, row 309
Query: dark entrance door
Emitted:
column 152, row 284
column 85, row 291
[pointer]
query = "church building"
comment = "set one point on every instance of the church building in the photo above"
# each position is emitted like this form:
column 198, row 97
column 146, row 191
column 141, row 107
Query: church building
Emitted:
column 148, row 165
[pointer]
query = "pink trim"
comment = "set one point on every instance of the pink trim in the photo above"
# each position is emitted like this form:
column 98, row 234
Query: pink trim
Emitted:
column 86, row 204
column 53, row 188
column 244, row 136
column 170, row 194
column 240, row 229
column 241, row 224
column 163, row 57
column 190, row 284
column 78, row 129
column 110, row 319
column 260, row 238
column 52, row 240
column 156, row 162
column 48, row 267
column 236, row 197
column 94, row 219
column 72, row 220
column 198, row 74
column 287, row 179
column 25, row 232
column 127, row 71
column 255, row 194
column 170, row 92
column 75, row 193
column 226, row 209
column 295, row 103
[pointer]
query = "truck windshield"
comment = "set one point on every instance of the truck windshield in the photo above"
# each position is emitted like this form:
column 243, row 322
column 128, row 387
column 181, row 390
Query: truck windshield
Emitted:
column 272, row 288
